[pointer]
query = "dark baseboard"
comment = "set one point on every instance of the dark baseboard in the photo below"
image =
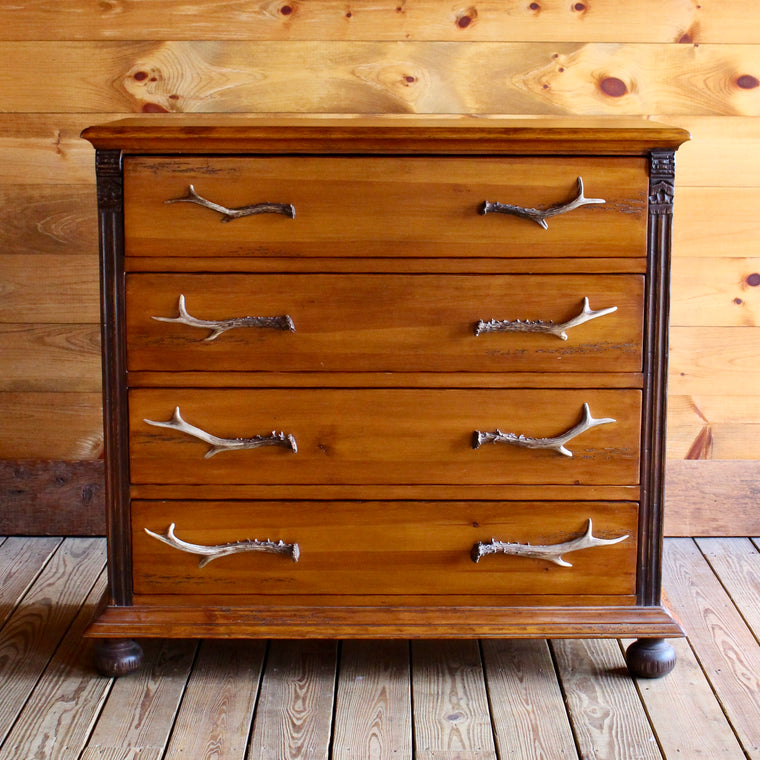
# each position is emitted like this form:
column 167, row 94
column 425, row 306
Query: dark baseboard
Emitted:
column 55, row 498
column 51, row 498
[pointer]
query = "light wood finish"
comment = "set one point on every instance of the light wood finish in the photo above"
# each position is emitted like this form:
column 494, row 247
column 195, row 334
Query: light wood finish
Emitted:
column 215, row 714
column 373, row 711
column 51, row 425
column 138, row 716
column 650, row 21
column 426, row 436
column 527, row 706
column 705, row 498
column 293, row 716
column 719, row 634
column 34, row 630
column 425, row 323
column 372, row 77
column 606, row 711
column 381, row 206
column 450, row 702
column 374, row 548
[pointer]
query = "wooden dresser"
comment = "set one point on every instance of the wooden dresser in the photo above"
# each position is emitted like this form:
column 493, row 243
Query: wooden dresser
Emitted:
column 384, row 378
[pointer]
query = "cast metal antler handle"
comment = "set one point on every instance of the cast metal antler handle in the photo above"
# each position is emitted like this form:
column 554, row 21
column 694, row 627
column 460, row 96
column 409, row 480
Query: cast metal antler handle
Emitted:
column 552, row 553
column 210, row 553
column 557, row 443
column 225, row 444
column 219, row 326
column 539, row 326
column 539, row 216
column 228, row 214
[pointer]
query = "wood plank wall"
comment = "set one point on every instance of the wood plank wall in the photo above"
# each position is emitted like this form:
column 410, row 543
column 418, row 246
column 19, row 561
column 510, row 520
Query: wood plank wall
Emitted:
column 63, row 66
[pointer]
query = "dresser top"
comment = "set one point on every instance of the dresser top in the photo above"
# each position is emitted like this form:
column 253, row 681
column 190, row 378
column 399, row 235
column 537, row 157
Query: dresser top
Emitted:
column 397, row 134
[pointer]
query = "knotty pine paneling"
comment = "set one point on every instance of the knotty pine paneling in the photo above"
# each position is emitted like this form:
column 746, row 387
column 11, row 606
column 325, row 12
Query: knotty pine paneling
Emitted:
column 379, row 77
column 725, row 21
column 67, row 65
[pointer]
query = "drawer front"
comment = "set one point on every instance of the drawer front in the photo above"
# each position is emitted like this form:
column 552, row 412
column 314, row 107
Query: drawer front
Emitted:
column 381, row 548
column 381, row 206
column 384, row 322
column 383, row 436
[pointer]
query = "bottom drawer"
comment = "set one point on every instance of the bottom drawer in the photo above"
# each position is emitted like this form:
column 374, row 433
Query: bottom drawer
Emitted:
column 384, row 548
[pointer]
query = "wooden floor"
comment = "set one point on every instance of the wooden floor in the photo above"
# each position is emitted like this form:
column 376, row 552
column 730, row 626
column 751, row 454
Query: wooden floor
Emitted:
column 431, row 700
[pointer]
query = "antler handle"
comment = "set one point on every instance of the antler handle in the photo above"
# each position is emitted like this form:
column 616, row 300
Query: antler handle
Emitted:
column 539, row 216
column 539, row 326
column 557, row 443
column 219, row 326
column 552, row 553
column 210, row 553
column 228, row 214
column 225, row 444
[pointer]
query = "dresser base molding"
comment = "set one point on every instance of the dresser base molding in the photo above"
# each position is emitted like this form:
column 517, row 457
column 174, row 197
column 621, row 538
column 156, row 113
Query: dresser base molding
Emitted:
column 369, row 622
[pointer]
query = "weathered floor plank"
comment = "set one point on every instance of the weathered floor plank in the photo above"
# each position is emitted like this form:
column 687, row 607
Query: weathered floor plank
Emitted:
column 608, row 718
column 32, row 633
column 736, row 561
column 294, row 716
column 67, row 699
column 137, row 719
column 727, row 651
column 701, row 731
column 451, row 715
column 21, row 560
column 215, row 716
column 529, row 716
column 373, row 714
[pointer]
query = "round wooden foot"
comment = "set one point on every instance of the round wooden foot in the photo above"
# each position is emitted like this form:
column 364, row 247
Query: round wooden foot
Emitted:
column 650, row 658
column 117, row 657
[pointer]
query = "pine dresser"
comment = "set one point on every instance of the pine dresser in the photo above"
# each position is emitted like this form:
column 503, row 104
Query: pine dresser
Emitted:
column 377, row 377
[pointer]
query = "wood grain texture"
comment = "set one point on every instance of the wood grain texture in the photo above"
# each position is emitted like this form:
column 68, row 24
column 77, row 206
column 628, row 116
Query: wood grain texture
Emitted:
column 34, row 630
column 608, row 719
column 726, row 648
column 736, row 561
column 50, row 289
column 50, row 357
column 383, row 548
column 701, row 730
column 713, row 427
column 217, row 706
column 426, row 323
column 715, row 292
column 337, row 433
column 714, row 361
column 51, row 425
column 450, row 702
column 551, row 21
column 373, row 712
column 294, row 713
column 20, row 564
column 47, row 220
column 378, row 77
column 712, row 498
column 140, row 711
column 528, row 712
column 67, row 699
column 52, row 498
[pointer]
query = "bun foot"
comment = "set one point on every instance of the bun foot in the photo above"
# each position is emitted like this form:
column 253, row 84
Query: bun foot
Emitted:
column 650, row 658
column 117, row 657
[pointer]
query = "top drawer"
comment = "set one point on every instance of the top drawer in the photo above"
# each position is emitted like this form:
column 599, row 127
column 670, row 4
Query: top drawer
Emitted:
column 383, row 206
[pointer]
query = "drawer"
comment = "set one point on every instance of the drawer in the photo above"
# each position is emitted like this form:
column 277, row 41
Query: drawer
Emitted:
column 381, row 206
column 383, row 322
column 382, row 436
column 364, row 548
